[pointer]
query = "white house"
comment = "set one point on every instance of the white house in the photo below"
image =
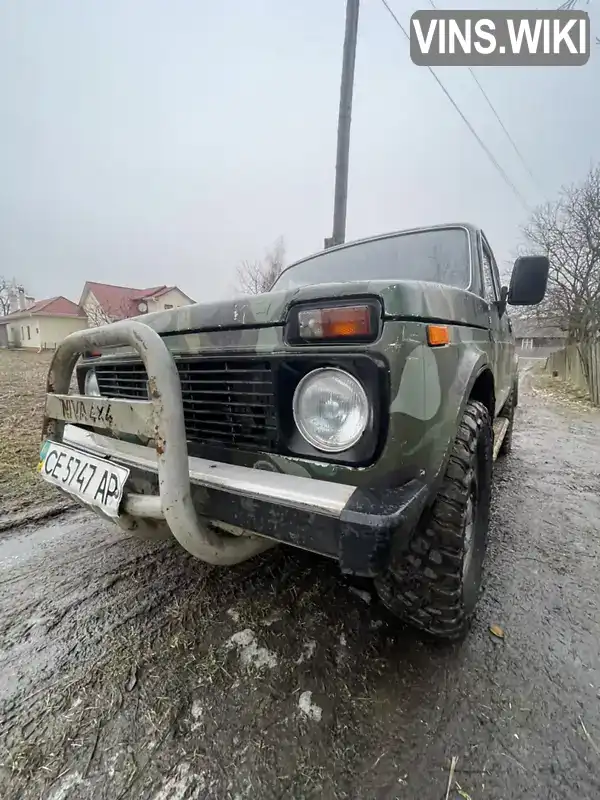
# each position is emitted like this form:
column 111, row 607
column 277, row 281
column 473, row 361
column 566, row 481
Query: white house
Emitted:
column 42, row 325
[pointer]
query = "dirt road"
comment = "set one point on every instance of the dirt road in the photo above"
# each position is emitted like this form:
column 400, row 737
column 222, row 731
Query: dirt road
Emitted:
column 128, row 670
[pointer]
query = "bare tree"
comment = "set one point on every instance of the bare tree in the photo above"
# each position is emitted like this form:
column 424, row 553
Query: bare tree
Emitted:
column 568, row 231
column 5, row 287
column 104, row 314
column 9, row 294
column 256, row 277
column 571, row 5
column 96, row 315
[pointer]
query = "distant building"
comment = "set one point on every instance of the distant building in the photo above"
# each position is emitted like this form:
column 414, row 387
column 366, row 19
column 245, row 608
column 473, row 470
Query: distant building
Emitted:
column 42, row 325
column 531, row 336
column 104, row 302
column 45, row 323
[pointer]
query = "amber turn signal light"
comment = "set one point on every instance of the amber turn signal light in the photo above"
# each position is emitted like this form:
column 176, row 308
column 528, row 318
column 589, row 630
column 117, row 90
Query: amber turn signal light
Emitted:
column 437, row 335
column 341, row 322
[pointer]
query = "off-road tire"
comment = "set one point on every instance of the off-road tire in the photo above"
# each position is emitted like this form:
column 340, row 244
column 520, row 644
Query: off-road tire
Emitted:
column 435, row 586
column 508, row 412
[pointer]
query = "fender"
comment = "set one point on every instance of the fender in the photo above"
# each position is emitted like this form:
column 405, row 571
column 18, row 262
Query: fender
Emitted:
column 472, row 365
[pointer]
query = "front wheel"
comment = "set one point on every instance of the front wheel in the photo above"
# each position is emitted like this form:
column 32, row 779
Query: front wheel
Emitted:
column 435, row 585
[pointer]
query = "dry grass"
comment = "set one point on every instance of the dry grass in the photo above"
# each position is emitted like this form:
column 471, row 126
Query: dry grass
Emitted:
column 564, row 393
column 22, row 391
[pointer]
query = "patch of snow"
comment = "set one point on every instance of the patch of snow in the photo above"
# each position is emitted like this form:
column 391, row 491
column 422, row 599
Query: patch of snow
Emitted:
column 112, row 769
column 241, row 638
column 307, row 652
column 181, row 784
column 308, row 708
column 235, row 615
column 197, row 714
column 63, row 791
column 343, row 640
column 250, row 653
column 360, row 593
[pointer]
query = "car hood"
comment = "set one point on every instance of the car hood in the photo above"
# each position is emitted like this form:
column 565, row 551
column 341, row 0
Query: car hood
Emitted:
column 400, row 299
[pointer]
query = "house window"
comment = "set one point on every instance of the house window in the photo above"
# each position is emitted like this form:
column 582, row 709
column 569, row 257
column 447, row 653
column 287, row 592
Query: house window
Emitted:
column 28, row 333
column 168, row 305
column 527, row 344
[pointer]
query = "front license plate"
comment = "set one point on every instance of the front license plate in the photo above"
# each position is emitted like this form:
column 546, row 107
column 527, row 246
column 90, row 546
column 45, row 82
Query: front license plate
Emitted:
column 95, row 481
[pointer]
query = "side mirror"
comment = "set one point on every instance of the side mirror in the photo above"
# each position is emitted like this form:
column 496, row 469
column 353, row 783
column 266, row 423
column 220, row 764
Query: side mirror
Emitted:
column 528, row 281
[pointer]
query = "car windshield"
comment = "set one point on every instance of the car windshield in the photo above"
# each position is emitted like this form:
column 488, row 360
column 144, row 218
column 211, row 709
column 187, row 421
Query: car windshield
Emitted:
column 440, row 255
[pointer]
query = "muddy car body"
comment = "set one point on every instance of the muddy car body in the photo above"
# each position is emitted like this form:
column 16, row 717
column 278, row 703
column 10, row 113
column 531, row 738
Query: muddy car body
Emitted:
column 356, row 418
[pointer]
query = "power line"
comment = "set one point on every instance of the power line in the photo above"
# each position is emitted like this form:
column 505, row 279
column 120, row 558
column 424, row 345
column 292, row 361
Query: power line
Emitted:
column 502, row 125
column 497, row 115
column 480, row 141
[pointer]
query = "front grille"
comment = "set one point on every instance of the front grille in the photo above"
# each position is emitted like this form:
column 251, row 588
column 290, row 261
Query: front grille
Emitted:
column 226, row 402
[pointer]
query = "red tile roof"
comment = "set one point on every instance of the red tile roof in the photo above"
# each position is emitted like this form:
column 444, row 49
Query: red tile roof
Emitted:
column 164, row 289
column 154, row 292
column 119, row 302
column 55, row 306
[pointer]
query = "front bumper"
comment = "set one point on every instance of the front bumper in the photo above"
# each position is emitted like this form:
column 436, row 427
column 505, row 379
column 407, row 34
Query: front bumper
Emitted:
column 194, row 496
column 332, row 519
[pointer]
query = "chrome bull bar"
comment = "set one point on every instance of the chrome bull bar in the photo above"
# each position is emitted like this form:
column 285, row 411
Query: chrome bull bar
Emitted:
column 160, row 418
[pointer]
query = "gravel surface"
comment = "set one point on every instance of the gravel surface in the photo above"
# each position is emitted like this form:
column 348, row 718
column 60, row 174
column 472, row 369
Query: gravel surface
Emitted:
column 129, row 670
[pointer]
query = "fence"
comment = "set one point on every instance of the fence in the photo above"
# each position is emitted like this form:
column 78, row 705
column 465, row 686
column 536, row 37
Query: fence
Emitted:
column 569, row 364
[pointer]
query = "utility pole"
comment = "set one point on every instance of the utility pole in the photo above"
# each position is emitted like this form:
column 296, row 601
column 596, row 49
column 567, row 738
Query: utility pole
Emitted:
column 344, row 118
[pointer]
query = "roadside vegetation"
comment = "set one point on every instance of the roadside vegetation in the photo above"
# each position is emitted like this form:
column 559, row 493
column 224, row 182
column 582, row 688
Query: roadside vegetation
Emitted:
column 22, row 391
column 567, row 229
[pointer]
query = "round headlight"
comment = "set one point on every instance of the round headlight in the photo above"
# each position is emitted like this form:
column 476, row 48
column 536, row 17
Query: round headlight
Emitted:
column 331, row 409
column 90, row 386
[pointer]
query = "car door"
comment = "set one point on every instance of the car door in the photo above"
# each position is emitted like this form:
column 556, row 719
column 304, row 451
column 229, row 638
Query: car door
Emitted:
column 502, row 342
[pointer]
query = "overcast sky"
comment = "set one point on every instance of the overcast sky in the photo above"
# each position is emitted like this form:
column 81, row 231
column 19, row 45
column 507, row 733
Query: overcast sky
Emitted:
column 145, row 142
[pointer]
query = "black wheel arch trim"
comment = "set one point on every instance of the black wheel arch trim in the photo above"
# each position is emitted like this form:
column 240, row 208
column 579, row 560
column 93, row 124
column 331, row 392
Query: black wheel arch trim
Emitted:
column 468, row 373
